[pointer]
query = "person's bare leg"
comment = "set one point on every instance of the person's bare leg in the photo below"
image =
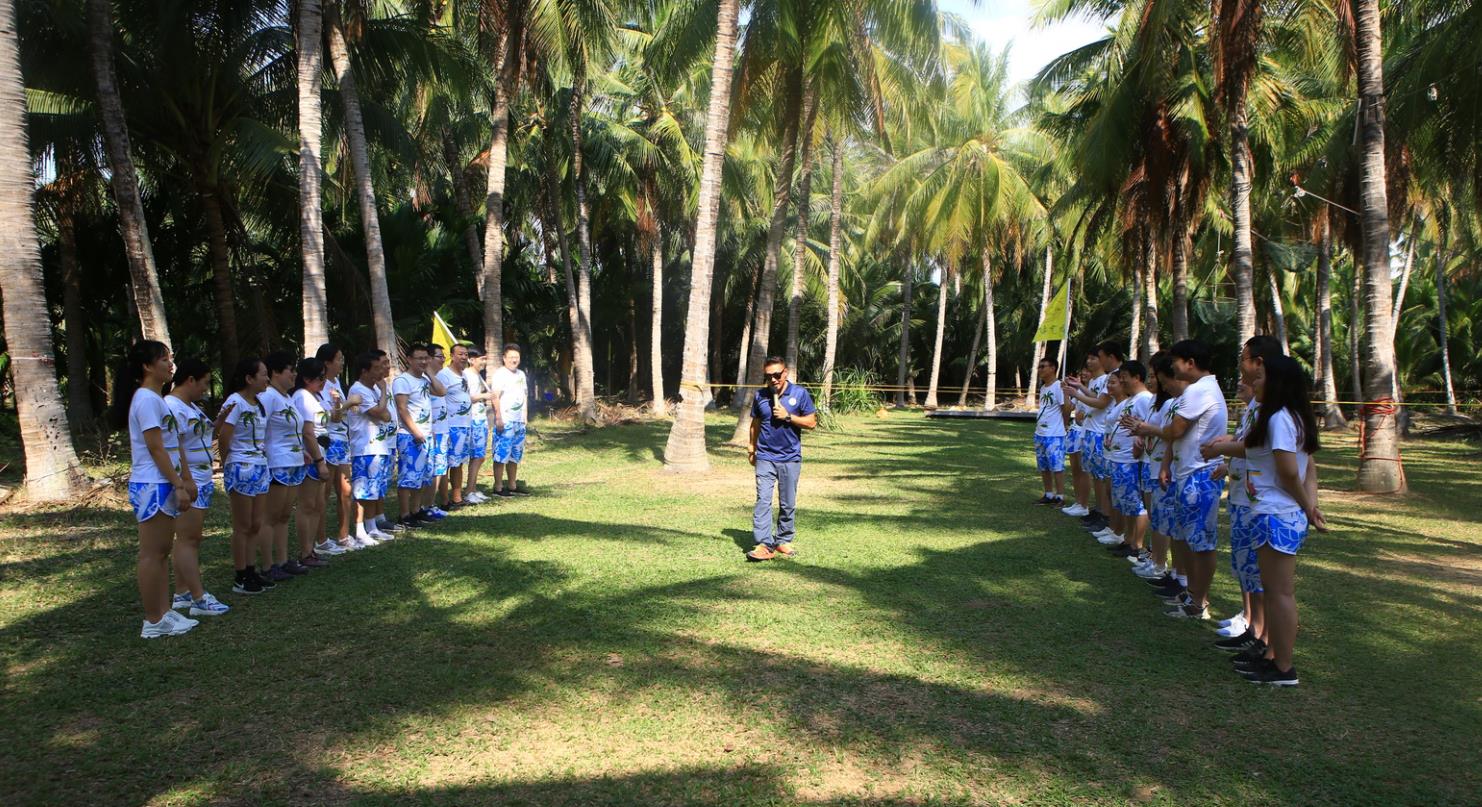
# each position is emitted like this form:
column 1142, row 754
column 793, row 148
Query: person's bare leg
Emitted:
column 475, row 465
column 1278, row 572
column 156, row 538
column 496, row 470
column 1046, row 480
column 511, row 471
column 406, row 499
column 1080, row 481
column 346, row 501
column 1181, row 558
column 1058, row 479
column 186, row 556
column 310, row 516
column 1136, row 530
column 1257, row 617
column 455, row 484
column 244, row 529
column 1201, row 575
column 280, row 507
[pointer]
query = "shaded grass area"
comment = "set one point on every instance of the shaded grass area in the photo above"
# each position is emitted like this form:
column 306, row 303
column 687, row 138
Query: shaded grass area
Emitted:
column 938, row 640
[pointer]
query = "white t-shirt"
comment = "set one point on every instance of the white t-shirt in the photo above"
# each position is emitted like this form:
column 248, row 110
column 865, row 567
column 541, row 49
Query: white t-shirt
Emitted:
column 285, row 439
column 1261, row 482
column 460, row 406
column 336, row 430
column 512, row 394
column 1153, row 448
column 368, row 437
column 249, row 431
column 1235, row 466
column 193, row 430
column 1119, row 440
column 475, row 384
column 1096, row 418
column 440, row 421
column 311, row 410
column 419, row 401
column 1050, row 423
column 1203, row 404
column 147, row 410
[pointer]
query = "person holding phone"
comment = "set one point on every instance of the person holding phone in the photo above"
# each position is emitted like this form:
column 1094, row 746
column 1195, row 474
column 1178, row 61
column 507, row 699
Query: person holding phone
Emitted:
column 780, row 411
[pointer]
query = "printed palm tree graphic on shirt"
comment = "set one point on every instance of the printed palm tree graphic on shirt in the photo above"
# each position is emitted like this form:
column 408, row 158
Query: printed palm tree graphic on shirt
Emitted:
column 1046, row 404
column 198, row 428
column 169, row 425
column 249, row 420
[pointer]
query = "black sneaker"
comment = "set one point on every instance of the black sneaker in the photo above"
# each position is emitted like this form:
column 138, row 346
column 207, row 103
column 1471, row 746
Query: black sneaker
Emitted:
column 266, row 582
column 1235, row 644
column 1122, row 550
column 406, row 523
column 295, row 568
column 1046, row 500
column 1250, row 655
column 1162, row 582
column 519, row 491
column 1170, row 592
column 503, row 493
column 1268, row 674
column 247, row 584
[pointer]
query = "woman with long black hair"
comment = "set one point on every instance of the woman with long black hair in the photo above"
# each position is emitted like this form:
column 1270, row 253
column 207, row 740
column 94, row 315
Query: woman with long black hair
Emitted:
column 307, row 384
column 241, row 432
column 1281, row 481
column 193, row 429
column 158, row 488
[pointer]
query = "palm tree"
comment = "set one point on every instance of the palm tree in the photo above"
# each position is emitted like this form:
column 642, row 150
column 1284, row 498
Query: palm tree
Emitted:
column 145, row 278
column 310, row 32
column 1380, row 470
column 53, row 472
column 685, row 449
column 365, row 191
column 1235, row 37
column 800, row 236
column 835, row 247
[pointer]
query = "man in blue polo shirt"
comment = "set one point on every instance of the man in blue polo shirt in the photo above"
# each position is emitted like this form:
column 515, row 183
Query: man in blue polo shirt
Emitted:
column 779, row 413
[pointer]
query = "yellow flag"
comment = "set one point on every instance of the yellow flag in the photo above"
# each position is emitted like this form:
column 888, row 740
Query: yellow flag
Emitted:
column 1054, row 325
column 442, row 335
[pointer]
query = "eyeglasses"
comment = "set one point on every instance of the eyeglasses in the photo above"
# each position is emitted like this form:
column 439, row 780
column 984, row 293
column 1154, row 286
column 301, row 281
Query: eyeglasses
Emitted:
column 777, row 375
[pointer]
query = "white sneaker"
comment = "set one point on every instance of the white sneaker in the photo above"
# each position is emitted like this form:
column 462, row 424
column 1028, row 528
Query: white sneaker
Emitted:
column 1151, row 572
column 1075, row 509
column 1236, row 627
column 1107, row 538
column 1225, row 623
column 1141, row 565
column 180, row 624
column 154, row 630
column 181, row 600
column 330, row 547
column 208, row 605
column 381, row 537
column 365, row 541
column 477, row 498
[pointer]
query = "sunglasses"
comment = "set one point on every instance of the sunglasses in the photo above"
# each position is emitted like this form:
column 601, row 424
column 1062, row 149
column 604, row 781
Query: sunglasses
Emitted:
column 776, row 375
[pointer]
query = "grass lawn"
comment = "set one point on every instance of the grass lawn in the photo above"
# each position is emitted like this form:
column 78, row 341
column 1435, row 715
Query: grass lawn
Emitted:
column 938, row 640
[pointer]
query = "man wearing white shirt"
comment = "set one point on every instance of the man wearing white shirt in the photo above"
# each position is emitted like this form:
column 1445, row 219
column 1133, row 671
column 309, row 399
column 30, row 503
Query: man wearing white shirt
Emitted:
column 478, row 425
column 372, row 434
column 1199, row 417
column 1049, row 434
column 412, row 391
column 509, row 403
column 460, row 407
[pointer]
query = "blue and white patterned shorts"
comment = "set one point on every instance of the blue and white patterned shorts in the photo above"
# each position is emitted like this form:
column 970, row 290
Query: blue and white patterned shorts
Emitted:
column 152, row 499
column 1283, row 532
column 1150, row 477
column 311, row 472
column 1199, row 510
column 1243, row 548
column 1093, row 456
column 289, row 476
column 338, row 452
column 205, row 490
column 437, row 458
column 1074, row 439
column 1049, row 453
column 245, row 479
column 1163, row 518
column 509, row 443
column 412, row 471
column 478, row 439
column 1126, row 482
column 369, row 476
column 457, row 446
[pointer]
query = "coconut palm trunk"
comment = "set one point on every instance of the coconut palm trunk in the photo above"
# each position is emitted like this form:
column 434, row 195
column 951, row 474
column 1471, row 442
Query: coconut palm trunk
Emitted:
column 1355, row 331
column 310, row 215
column 656, row 323
column 581, row 344
column 1150, row 342
column 1333, row 414
column 1442, row 325
column 586, row 384
column 761, row 330
column 1179, row 323
column 903, row 357
column 53, row 472
column 1278, row 311
column 491, row 271
column 835, row 248
column 972, row 355
column 1242, row 256
column 991, row 329
column 936, row 351
column 1039, row 347
column 800, row 235
column 740, row 400
column 464, row 206
column 1380, row 470
column 74, row 315
column 219, row 249
column 685, row 449
column 143, row 275
column 1134, row 332
column 365, row 191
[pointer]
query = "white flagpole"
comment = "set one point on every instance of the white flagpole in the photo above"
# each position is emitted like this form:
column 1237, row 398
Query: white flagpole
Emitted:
column 1065, row 340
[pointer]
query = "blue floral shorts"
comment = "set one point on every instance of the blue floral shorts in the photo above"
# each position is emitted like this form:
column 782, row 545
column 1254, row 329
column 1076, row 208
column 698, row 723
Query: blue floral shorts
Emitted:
column 1093, row 456
column 412, row 471
column 289, row 476
column 1243, row 548
column 369, row 476
column 1163, row 517
column 338, row 452
column 245, row 479
column 1074, row 439
column 1126, row 481
column 152, row 499
column 1283, row 532
column 311, row 472
column 205, row 490
column 509, row 443
column 478, row 439
column 1199, row 510
column 437, row 458
column 457, row 446
column 1049, row 453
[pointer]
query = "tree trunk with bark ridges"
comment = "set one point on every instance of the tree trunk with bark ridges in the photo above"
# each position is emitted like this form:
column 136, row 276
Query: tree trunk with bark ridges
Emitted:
column 1150, row 342
column 972, row 355
column 1039, row 347
column 936, row 351
column 1441, row 259
column 685, row 449
column 491, row 271
column 310, row 36
column 586, row 384
column 1180, row 316
column 903, row 358
column 835, row 247
column 221, row 276
column 660, row 404
column 1328, row 382
column 1242, row 256
column 74, row 318
column 991, row 328
column 800, row 237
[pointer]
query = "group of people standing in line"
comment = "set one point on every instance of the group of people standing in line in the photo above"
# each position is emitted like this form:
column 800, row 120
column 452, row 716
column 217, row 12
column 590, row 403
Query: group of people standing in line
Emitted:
column 1150, row 446
column 288, row 437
